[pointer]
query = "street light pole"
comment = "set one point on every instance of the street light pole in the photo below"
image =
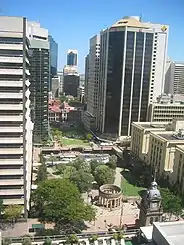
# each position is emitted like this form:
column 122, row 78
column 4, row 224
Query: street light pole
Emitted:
column 121, row 216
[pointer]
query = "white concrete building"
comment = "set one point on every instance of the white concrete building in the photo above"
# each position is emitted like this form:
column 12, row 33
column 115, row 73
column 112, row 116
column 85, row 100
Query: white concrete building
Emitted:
column 165, row 112
column 179, row 78
column 93, row 83
column 15, row 122
column 159, row 59
column 164, row 233
column 80, row 93
column 174, row 80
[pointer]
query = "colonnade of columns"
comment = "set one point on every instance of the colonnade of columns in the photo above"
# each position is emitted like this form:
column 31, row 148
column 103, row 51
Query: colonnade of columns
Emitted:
column 110, row 203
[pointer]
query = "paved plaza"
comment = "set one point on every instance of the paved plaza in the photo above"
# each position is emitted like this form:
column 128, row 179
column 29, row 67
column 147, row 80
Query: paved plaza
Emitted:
column 106, row 217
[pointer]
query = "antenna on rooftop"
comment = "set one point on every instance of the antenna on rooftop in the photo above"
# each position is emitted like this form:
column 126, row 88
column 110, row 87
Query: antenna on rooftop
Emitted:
column 140, row 17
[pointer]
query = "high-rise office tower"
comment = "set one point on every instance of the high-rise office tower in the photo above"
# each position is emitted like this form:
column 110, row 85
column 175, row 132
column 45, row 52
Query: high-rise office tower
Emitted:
column 53, row 56
column 132, row 70
column 72, row 57
column 53, row 59
column 15, row 121
column 174, row 79
column 178, row 77
column 93, row 80
column 40, row 78
column 71, row 84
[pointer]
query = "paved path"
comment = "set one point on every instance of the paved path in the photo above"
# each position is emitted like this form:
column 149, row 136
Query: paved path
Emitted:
column 118, row 177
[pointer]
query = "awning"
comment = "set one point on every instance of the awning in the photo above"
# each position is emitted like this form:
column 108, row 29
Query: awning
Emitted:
column 147, row 232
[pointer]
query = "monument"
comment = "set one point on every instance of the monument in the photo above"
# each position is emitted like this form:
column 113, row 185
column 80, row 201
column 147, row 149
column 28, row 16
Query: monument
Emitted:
column 110, row 196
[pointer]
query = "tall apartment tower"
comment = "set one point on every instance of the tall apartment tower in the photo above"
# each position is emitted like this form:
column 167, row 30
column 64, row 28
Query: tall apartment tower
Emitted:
column 132, row 69
column 40, row 79
column 93, row 80
column 15, row 121
column 86, row 78
column 53, row 59
column 72, row 57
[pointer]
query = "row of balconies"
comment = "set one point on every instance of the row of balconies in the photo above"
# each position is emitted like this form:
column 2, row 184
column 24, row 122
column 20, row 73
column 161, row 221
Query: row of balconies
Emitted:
column 10, row 118
column 6, row 95
column 11, row 151
column 7, row 172
column 17, row 107
column 10, row 201
column 11, row 182
column 7, row 192
column 13, row 71
column 18, row 140
column 18, row 129
column 14, row 59
column 9, row 161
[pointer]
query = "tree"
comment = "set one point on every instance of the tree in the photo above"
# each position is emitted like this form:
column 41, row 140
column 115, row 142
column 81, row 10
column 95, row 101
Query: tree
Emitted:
column 112, row 162
column 42, row 173
column 62, row 98
column 94, row 237
column 59, row 201
column 80, row 164
column 6, row 241
column 104, row 175
column 94, row 164
column 13, row 212
column 82, row 180
column 26, row 241
column 42, row 159
column 47, row 241
column 171, row 203
column 89, row 137
column 72, row 239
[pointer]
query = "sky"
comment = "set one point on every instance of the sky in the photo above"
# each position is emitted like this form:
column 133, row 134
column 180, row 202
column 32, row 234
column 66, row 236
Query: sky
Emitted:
column 73, row 22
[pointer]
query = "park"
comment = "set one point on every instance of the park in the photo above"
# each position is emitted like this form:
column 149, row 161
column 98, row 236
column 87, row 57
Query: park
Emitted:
column 70, row 197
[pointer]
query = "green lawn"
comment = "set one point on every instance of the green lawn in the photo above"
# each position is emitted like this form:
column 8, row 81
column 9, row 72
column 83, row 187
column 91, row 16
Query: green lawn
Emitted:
column 76, row 142
column 128, row 188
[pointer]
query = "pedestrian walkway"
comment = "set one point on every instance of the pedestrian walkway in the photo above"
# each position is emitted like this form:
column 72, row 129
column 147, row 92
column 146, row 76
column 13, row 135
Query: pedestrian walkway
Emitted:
column 128, row 209
column 118, row 177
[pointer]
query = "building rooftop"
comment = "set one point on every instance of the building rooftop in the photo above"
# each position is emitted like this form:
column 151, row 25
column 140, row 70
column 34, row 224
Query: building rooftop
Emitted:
column 173, row 232
column 151, row 125
column 131, row 21
column 171, row 137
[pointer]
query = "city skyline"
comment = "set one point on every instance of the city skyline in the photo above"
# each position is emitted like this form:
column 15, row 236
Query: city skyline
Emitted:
column 78, row 38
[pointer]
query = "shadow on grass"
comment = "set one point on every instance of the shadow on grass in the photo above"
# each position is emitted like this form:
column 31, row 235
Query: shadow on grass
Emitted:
column 142, row 193
column 136, row 179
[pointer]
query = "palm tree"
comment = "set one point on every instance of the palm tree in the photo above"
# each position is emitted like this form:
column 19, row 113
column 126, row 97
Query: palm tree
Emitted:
column 94, row 238
column 47, row 241
column 115, row 236
column 26, row 241
column 72, row 239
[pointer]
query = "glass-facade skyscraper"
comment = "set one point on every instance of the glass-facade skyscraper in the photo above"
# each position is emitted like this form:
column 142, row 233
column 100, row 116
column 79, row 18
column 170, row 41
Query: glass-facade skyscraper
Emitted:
column 127, row 75
column 72, row 57
column 39, row 79
column 53, row 56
